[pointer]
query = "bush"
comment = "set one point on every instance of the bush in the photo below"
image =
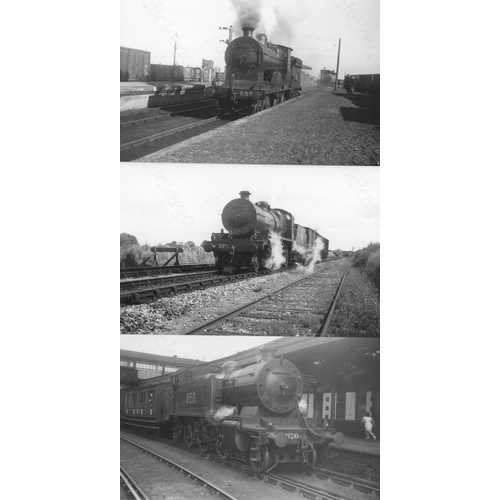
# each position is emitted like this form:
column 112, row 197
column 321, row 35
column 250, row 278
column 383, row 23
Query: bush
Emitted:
column 367, row 260
column 135, row 255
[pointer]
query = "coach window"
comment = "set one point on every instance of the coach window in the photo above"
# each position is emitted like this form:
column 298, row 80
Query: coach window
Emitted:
column 151, row 397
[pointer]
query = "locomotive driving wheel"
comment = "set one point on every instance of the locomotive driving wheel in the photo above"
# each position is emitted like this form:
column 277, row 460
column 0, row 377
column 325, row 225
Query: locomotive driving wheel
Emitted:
column 255, row 262
column 189, row 437
column 222, row 451
column 176, row 435
column 205, row 434
column 259, row 457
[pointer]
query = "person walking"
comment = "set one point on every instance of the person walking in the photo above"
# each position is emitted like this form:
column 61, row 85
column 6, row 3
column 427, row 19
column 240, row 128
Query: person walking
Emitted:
column 369, row 424
column 347, row 84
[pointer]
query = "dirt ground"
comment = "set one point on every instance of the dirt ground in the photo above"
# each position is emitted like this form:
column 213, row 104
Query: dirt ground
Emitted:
column 321, row 128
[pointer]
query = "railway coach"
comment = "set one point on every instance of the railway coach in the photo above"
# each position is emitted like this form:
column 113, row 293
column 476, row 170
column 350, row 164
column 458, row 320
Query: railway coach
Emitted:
column 249, row 241
column 252, row 413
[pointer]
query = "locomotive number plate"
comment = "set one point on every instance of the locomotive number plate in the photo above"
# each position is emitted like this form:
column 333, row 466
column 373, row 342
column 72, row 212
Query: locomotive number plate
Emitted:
column 190, row 398
column 292, row 435
column 244, row 93
column 222, row 246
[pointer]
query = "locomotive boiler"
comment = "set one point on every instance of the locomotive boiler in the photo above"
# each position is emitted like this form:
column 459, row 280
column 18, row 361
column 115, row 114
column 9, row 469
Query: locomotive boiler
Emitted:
column 249, row 413
column 252, row 231
column 259, row 74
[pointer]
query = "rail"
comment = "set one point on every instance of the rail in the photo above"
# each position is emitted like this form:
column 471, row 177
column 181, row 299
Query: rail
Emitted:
column 204, row 482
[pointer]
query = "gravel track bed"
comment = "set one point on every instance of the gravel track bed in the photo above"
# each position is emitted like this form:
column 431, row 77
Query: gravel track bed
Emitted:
column 180, row 313
column 299, row 310
column 320, row 128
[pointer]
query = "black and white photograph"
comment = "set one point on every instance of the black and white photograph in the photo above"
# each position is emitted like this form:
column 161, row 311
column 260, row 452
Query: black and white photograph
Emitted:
column 255, row 250
column 252, row 418
column 250, row 82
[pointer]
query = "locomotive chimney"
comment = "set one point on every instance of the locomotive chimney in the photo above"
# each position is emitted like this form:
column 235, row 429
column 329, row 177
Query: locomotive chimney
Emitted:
column 268, row 353
column 245, row 195
column 247, row 31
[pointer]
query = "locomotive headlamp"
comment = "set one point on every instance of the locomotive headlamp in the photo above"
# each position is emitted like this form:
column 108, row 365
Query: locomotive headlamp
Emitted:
column 255, row 95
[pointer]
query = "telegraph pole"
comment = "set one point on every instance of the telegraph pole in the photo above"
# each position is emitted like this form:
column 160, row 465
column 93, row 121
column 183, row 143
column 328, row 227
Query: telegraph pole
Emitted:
column 175, row 50
column 338, row 60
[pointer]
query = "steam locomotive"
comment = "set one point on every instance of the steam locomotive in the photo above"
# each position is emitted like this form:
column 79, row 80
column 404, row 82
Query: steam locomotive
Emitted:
column 249, row 241
column 250, row 413
column 259, row 74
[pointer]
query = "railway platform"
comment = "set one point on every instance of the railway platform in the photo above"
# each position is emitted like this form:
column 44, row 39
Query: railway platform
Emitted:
column 318, row 128
column 140, row 95
column 359, row 445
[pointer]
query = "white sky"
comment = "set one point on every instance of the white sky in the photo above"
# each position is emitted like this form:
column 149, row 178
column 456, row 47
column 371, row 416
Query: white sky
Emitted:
column 311, row 28
column 161, row 203
column 203, row 348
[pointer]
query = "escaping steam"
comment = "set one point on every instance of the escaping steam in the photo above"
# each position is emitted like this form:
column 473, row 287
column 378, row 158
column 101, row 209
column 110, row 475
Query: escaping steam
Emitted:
column 303, row 406
column 310, row 256
column 316, row 254
column 276, row 260
column 223, row 412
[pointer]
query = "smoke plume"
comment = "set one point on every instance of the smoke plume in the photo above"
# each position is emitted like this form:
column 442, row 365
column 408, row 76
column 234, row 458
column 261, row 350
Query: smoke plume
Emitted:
column 276, row 260
column 248, row 12
column 275, row 18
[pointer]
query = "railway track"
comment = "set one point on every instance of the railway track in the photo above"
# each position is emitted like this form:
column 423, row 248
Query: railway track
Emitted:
column 187, row 284
column 138, row 272
column 284, row 479
column 163, row 128
column 303, row 307
column 189, row 473
column 131, row 486
column 136, row 117
column 162, row 280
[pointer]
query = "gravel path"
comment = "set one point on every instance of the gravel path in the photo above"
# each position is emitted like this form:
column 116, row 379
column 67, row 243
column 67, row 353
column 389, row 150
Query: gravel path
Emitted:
column 321, row 128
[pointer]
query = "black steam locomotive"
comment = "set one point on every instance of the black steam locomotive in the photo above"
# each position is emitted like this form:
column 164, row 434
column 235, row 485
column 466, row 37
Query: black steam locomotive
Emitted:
column 248, row 242
column 259, row 74
column 251, row 413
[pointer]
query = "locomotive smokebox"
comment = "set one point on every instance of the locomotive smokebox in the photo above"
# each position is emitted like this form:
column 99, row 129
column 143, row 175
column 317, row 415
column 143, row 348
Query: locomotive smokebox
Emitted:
column 245, row 195
column 247, row 31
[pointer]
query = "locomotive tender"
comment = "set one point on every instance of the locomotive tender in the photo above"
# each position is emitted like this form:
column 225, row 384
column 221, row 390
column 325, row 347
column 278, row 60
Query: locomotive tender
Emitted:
column 248, row 240
column 250, row 413
column 259, row 74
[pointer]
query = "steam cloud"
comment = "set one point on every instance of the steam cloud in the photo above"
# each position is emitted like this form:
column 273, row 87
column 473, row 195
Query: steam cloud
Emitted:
column 223, row 412
column 276, row 260
column 303, row 406
column 310, row 256
column 316, row 254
